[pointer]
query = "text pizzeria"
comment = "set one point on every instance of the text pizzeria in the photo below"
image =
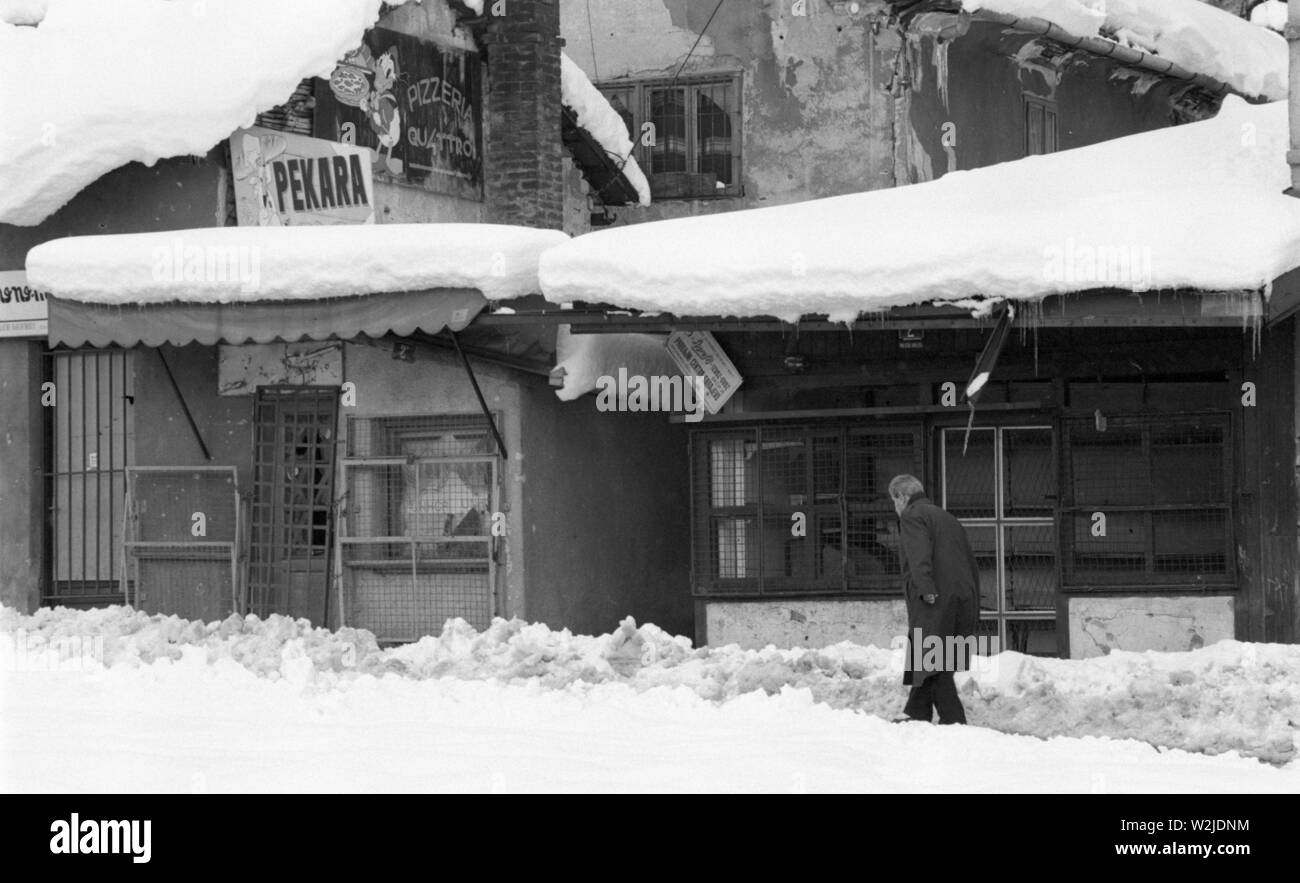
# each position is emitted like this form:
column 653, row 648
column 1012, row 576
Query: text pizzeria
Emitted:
column 324, row 182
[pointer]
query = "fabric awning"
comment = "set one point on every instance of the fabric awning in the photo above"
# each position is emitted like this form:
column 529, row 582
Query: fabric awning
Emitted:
column 78, row 324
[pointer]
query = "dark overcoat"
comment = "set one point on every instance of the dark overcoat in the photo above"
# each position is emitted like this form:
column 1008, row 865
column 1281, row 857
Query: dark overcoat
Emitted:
column 937, row 560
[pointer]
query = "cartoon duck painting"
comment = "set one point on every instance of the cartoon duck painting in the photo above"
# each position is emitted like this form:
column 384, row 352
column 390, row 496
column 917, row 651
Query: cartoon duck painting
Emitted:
column 351, row 86
column 382, row 112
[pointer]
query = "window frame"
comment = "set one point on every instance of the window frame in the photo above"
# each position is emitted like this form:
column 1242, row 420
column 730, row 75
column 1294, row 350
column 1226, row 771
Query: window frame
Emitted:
column 1051, row 142
column 1152, row 579
column 639, row 93
column 753, row 508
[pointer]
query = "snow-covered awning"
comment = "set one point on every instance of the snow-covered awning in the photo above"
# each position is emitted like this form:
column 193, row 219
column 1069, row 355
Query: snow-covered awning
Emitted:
column 1196, row 36
column 237, row 284
column 1193, row 207
column 97, row 84
column 612, row 159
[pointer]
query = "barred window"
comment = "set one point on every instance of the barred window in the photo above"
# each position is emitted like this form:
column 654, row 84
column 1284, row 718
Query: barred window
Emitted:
column 779, row 509
column 1146, row 501
column 694, row 151
column 416, row 545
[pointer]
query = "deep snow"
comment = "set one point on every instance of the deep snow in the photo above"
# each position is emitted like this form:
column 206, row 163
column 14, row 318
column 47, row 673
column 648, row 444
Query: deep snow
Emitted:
column 274, row 705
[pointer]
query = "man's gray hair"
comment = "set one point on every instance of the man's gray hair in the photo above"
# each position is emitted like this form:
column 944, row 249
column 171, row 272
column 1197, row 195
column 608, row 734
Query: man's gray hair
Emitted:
column 905, row 486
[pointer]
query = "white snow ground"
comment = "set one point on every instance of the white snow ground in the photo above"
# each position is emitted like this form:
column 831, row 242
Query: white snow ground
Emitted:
column 275, row 705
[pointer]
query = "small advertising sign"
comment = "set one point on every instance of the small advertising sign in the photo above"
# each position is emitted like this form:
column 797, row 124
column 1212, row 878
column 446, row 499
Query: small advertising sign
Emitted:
column 698, row 354
column 416, row 105
column 283, row 179
column 23, row 309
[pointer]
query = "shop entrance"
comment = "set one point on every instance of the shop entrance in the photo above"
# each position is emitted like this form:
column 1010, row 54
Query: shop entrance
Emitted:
column 292, row 519
column 1002, row 488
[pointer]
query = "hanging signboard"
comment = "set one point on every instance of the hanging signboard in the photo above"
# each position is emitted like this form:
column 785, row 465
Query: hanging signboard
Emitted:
column 698, row 354
column 23, row 309
column 282, row 179
column 416, row 105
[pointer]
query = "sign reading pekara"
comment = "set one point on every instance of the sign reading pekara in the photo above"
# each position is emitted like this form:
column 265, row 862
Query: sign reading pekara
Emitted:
column 416, row 105
column 282, row 180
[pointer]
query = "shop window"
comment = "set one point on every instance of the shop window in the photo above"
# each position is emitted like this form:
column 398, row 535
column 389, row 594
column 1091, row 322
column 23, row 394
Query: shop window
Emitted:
column 417, row 548
column 1147, row 501
column 798, row 509
column 686, row 133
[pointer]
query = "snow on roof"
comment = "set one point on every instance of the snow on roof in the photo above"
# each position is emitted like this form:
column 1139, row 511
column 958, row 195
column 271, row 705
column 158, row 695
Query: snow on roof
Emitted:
column 1270, row 14
column 229, row 264
column 602, row 122
column 1199, row 37
column 96, row 85
column 1198, row 206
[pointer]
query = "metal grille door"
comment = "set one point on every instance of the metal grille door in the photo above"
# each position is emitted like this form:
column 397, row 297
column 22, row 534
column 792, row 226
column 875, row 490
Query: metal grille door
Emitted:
column 1002, row 488
column 89, row 411
column 295, row 430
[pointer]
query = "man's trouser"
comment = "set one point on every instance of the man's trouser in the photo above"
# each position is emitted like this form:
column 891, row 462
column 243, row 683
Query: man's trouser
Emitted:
column 937, row 691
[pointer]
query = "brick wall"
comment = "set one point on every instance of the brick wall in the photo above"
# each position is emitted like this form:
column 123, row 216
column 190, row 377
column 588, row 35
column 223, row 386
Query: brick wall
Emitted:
column 524, row 170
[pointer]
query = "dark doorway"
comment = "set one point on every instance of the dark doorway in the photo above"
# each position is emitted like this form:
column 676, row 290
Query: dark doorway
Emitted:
column 292, row 525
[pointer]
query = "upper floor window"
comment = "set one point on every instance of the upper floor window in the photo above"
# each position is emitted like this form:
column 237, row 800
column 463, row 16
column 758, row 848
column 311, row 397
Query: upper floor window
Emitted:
column 686, row 133
column 1040, row 126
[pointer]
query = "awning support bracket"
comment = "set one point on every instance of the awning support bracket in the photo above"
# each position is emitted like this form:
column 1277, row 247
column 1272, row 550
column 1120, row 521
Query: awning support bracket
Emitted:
column 194, row 427
column 496, row 433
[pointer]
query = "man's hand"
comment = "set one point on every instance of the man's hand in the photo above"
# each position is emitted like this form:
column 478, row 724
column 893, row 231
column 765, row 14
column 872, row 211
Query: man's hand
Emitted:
column 929, row 599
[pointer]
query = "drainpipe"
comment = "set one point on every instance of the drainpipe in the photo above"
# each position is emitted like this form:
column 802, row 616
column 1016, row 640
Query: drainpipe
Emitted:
column 1293, row 98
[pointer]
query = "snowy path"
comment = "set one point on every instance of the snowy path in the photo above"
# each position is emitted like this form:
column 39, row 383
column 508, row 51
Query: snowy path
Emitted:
column 189, row 725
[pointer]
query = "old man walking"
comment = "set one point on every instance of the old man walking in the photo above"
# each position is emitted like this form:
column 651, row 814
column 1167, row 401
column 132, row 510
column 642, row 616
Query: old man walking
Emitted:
column 941, row 586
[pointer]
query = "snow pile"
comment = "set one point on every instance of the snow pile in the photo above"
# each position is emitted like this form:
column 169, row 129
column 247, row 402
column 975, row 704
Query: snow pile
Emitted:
column 97, row 85
column 1227, row 697
column 290, row 263
column 23, row 12
column 602, row 122
column 1270, row 14
column 586, row 358
column 1198, row 206
column 1190, row 33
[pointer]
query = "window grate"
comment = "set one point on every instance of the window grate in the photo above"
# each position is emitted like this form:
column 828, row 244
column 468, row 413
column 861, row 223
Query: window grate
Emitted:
column 416, row 544
column 1146, row 501
column 797, row 508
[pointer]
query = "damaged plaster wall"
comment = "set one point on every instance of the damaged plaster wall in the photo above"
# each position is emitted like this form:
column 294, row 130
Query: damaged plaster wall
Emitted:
column 815, row 119
column 799, row 623
column 1100, row 625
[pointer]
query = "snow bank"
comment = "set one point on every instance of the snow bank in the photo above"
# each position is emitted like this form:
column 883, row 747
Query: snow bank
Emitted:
column 97, row 85
column 602, row 122
column 1198, row 206
column 1195, row 35
column 1228, row 697
column 290, row 263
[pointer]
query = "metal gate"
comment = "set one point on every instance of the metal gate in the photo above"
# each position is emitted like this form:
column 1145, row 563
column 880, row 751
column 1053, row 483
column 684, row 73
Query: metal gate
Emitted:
column 416, row 546
column 1001, row 485
column 89, row 425
column 292, row 520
